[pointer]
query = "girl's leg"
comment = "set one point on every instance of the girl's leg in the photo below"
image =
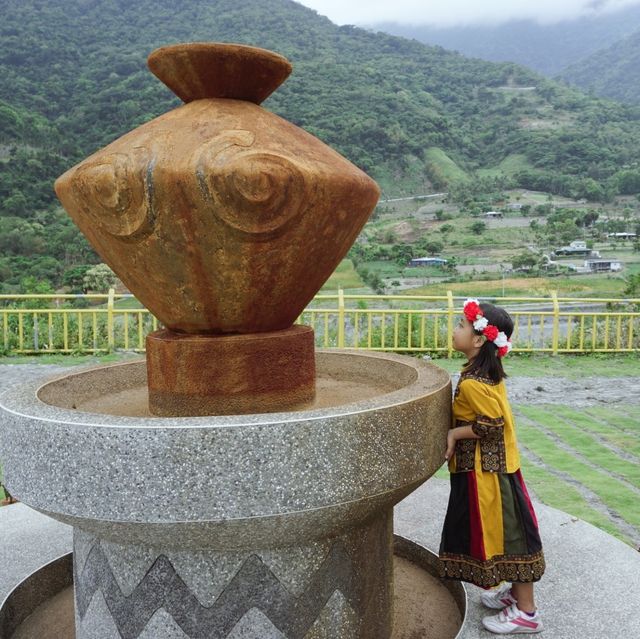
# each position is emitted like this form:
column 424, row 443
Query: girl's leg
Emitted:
column 523, row 592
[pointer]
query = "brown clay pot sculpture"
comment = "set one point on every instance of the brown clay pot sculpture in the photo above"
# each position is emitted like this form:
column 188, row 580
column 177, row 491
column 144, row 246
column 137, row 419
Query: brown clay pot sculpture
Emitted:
column 224, row 220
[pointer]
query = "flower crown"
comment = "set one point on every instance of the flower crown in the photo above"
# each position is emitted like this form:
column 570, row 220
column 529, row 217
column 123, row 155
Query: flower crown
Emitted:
column 473, row 312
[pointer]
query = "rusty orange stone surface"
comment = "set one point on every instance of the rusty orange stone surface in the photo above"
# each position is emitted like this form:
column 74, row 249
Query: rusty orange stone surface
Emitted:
column 231, row 374
column 220, row 216
column 224, row 220
column 204, row 70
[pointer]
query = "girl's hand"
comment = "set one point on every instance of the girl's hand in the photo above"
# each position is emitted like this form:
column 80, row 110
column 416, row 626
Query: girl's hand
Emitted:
column 451, row 444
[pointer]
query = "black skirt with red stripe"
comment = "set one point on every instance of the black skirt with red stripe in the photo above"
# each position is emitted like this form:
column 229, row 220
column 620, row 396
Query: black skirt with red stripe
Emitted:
column 490, row 532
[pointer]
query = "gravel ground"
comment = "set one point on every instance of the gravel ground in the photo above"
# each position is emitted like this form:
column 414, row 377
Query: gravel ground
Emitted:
column 575, row 393
column 588, row 391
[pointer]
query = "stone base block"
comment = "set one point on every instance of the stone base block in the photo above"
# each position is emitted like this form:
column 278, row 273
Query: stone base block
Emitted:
column 230, row 374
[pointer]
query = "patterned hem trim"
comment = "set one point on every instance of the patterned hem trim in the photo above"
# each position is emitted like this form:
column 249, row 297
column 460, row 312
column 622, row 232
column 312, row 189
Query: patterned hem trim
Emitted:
column 484, row 422
column 489, row 573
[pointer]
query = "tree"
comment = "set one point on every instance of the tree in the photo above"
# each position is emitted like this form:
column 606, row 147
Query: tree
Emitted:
column 478, row 227
column 99, row 278
column 432, row 247
column 402, row 253
column 628, row 182
column 74, row 277
column 632, row 286
column 452, row 264
column 524, row 260
column 389, row 237
column 16, row 205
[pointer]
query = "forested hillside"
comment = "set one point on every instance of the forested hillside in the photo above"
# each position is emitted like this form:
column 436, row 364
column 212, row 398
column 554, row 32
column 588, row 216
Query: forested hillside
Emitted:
column 613, row 72
column 73, row 77
column 545, row 47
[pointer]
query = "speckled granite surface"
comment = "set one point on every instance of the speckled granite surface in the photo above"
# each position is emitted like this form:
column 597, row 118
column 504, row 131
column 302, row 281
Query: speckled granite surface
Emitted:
column 259, row 496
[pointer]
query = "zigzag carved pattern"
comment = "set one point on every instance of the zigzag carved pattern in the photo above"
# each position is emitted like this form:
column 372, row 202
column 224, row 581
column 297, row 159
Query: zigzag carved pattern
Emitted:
column 254, row 585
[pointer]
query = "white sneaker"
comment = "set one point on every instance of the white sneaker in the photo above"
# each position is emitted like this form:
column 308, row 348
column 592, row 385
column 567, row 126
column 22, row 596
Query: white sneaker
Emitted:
column 499, row 597
column 512, row 621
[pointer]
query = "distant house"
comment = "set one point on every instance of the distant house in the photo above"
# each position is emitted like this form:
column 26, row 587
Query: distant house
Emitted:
column 622, row 236
column 548, row 263
column 514, row 206
column 601, row 266
column 428, row 261
column 577, row 247
column 493, row 214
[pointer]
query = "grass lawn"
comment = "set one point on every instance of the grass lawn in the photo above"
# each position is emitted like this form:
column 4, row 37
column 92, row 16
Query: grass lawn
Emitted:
column 345, row 277
column 60, row 359
column 570, row 366
column 128, row 302
column 389, row 269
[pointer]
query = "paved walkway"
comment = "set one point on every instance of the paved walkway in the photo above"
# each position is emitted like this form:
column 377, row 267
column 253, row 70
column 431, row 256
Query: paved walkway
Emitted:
column 28, row 540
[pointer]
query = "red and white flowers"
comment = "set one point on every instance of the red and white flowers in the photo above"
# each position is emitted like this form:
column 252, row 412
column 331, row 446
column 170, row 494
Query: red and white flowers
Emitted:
column 473, row 312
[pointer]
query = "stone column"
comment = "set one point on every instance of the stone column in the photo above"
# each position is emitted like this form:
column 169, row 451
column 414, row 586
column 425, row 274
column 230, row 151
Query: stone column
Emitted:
column 331, row 587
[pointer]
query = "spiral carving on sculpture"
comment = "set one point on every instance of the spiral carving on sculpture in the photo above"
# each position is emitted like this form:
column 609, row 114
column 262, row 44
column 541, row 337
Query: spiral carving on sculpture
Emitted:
column 252, row 191
column 116, row 192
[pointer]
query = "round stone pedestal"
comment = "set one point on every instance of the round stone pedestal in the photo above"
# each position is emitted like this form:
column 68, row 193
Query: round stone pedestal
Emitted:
column 278, row 521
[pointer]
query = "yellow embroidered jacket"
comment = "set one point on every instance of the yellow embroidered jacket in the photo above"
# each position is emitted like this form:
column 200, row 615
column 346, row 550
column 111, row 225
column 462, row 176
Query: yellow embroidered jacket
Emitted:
column 481, row 403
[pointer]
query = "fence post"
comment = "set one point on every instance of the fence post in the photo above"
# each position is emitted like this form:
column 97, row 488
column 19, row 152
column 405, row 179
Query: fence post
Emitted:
column 450, row 313
column 36, row 328
column 556, row 322
column 110, row 334
column 340, row 318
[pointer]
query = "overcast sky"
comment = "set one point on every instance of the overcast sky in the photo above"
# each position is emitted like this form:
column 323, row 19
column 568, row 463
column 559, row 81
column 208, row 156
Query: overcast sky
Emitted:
column 456, row 12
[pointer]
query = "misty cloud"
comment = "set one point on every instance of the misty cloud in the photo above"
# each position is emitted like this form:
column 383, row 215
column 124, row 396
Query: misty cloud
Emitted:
column 461, row 12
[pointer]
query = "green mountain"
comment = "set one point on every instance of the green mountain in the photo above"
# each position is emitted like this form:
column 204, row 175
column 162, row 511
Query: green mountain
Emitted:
column 73, row 77
column 546, row 48
column 613, row 72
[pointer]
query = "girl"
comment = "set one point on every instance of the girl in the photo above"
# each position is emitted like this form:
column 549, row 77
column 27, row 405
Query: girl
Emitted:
column 490, row 532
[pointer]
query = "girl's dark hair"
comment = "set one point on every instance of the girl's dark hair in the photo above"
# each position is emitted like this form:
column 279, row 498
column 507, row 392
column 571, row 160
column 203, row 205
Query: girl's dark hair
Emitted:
column 487, row 363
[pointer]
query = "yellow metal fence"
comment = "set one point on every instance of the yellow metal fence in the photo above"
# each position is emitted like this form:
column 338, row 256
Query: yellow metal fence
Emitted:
column 106, row 323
